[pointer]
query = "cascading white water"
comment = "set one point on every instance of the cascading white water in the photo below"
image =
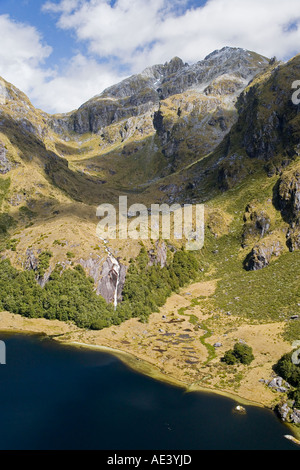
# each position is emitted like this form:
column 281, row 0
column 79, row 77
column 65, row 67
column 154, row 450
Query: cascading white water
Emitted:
column 116, row 269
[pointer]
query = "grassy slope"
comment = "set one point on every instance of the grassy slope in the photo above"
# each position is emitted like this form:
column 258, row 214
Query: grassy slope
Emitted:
column 266, row 295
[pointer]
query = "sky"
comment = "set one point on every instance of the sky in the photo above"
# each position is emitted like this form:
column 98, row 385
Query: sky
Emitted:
column 63, row 52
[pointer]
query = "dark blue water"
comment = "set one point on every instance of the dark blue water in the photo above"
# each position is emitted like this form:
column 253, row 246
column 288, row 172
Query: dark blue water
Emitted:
column 57, row 397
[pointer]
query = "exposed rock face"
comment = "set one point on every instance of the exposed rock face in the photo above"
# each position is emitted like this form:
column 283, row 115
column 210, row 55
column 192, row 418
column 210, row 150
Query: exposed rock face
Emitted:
column 31, row 261
column 161, row 254
column 279, row 385
column 289, row 414
column 141, row 93
column 93, row 266
column 289, row 196
column 107, row 285
column 105, row 277
column 293, row 238
column 158, row 256
column 289, row 201
column 5, row 164
column 45, row 278
column 257, row 224
column 284, row 412
column 261, row 255
column 295, row 416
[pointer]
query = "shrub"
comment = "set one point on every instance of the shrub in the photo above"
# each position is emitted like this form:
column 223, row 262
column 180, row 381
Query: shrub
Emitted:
column 241, row 353
column 287, row 370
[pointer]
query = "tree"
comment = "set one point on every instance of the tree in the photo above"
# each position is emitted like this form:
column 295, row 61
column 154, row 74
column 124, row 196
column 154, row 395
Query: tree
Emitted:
column 230, row 358
column 241, row 353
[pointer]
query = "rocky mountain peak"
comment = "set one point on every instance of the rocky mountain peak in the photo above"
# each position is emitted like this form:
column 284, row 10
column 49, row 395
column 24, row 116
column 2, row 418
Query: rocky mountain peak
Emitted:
column 142, row 93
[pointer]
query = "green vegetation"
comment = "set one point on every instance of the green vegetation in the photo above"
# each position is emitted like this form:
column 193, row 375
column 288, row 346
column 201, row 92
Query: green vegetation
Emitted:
column 291, row 373
column 69, row 295
column 241, row 353
column 288, row 370
column 25, row 212
column 292, row 331
column 12, row 244
column 59, row 243
column 210, row 349
column 4, row 187
column 148, row 287
column 6, row 222
column 44, row 262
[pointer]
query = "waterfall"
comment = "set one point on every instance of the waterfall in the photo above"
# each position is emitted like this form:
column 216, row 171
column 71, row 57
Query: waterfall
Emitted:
column 116, row 268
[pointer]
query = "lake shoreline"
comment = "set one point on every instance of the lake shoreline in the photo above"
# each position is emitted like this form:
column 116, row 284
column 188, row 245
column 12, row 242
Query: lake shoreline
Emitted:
column 64, row 334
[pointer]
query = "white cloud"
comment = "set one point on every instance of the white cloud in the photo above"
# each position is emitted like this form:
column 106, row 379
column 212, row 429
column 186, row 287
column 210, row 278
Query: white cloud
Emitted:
column 133, row 34
column 81, row 79
column 22, row 57
column 22, row 54
column 143, row 32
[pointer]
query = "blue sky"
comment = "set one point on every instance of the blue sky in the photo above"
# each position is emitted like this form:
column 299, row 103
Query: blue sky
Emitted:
column 63, row 52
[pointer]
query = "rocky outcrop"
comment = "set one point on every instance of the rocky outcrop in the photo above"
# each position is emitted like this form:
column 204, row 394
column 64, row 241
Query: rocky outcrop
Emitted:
column 262, row 254
column 31, row 260
column 32, row 264
column 109, row 281
column 293, row 237
column 5, row 164
column 279, row 385
column 256, row 224
column 288, row 413
column 159, row 255
column 141, row 93
column 289, row 196
column 105, row 277
column 289, row 204
column 295, row 416
column 93, row 267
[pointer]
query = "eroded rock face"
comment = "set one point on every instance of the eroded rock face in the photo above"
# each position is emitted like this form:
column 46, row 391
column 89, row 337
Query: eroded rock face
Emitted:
column 288, row 414
column 261, row 255
column 93, row 267
column 105, row 277
column 284, row 412
column 289, row 202
column 107, row 285
column 289, row 196
column 159, row 255
column 5, row 164
column 257, row 224
column 141, row 93
column 293, row 238
column 32, row 263
column 295, row 416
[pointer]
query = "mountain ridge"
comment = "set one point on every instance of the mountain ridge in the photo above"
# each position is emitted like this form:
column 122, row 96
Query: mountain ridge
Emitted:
column 186, row 147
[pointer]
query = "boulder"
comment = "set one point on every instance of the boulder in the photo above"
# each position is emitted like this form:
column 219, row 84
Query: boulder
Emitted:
column 261, row 255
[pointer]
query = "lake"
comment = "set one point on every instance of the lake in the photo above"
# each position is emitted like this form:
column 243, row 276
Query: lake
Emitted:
column 59, row 397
